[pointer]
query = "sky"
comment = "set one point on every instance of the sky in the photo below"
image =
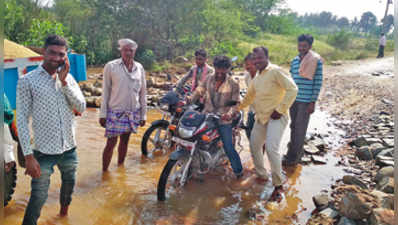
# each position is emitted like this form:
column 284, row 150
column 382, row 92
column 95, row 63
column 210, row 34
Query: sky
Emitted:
column 347, row 8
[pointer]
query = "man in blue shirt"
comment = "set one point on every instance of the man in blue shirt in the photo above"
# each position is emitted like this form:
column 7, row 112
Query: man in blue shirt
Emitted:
column 306, row 70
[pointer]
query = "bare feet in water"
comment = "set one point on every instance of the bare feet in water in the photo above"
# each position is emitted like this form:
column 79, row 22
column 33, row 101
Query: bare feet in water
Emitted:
column 64, row 211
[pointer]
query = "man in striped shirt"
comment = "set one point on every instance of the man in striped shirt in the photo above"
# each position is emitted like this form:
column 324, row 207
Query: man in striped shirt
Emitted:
column 306, row 71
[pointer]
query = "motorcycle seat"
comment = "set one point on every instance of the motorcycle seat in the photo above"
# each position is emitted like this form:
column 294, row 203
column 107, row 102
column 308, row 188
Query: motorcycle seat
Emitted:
column 192, row 119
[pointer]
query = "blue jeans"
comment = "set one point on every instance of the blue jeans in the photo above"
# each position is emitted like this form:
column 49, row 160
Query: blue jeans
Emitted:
column 67, row 164
column 226, row 137
column 250, row 123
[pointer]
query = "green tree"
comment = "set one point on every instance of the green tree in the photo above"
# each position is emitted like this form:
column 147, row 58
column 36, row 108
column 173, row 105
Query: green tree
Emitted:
column 388, row 23
column 368, row 22
column 13, row 20
column 260, row 9
column 40, row 29
column 343, row 23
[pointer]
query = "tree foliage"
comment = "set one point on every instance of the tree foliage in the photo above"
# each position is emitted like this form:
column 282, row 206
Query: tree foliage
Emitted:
column 165, row 29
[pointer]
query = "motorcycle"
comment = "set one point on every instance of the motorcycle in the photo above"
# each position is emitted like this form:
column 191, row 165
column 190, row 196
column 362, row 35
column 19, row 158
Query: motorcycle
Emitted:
column 198, row 149
column 10, row 176
column 158, row 137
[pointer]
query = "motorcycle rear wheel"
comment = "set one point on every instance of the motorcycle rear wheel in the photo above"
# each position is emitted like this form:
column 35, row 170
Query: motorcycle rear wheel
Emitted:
column 10, row 181
column 156, row 139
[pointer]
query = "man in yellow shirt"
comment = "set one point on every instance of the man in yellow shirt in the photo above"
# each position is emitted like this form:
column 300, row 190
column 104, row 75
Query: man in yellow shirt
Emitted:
column 271, row 93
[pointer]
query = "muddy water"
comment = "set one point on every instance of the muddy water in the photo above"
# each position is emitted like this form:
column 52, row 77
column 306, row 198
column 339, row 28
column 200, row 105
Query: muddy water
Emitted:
column 127, row 195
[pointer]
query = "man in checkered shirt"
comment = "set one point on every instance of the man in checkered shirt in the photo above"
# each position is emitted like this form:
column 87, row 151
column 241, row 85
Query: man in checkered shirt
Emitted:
column 49, row 95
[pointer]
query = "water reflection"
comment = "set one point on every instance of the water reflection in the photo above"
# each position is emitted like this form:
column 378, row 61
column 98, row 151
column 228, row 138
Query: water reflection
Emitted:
column 127, row 195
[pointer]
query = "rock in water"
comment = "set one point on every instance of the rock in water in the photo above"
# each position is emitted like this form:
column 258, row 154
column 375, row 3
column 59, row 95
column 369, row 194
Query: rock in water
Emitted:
column 330, row 213
column 311, row 149
column 346, row 221
column 318, row 159
column 364, row 153
column 385, row 200
column 384, row 161
column 384, row 172
column 355, row 206
column 355, row 181
column 319, row 143
column 321, row 201
column 382, row 216
column 359, row 142
column 386, row 185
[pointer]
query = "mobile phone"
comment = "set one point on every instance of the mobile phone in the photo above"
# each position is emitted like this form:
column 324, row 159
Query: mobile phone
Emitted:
column 61, row 66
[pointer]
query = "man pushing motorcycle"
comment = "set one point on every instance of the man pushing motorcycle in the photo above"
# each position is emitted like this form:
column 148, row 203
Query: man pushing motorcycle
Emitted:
column 218, row 90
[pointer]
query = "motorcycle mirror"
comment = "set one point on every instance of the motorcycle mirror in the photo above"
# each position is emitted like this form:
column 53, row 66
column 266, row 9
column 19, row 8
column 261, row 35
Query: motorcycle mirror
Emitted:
column 231, row 103
column 234, row 58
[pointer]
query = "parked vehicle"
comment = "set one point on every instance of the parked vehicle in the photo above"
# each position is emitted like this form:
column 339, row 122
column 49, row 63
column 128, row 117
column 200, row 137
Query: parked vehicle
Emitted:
column 199, row 149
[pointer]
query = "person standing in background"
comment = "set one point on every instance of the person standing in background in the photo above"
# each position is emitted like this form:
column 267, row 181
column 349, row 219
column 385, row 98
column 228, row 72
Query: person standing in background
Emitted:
column 306, row 71
column 382, row 44
column 123, row 106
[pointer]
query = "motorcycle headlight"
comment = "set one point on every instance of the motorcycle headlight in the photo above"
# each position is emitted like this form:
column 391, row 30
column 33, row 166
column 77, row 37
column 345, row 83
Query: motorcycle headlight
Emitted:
column 185, row 133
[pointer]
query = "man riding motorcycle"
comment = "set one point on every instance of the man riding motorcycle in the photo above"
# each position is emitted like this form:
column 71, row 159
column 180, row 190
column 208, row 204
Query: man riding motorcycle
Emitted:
column 217, row 90
column 198, row 73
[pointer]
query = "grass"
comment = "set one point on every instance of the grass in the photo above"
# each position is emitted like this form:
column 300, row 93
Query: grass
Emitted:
column 283, row 48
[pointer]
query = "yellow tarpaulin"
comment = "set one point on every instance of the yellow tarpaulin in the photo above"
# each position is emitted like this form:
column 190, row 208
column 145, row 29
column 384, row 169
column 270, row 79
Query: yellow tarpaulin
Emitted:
column 13, row 50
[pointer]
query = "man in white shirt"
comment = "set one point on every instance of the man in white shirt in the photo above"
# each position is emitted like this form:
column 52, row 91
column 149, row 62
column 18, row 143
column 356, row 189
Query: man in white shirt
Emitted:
column 123, row 106
column 382, row 44
column 49, row 95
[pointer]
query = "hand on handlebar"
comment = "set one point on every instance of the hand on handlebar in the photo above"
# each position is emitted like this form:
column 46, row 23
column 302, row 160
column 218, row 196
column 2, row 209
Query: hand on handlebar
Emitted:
column 226, row 117
column 188, row 100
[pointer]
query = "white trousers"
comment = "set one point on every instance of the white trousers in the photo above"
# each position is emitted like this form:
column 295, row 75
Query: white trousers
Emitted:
column 271, row 134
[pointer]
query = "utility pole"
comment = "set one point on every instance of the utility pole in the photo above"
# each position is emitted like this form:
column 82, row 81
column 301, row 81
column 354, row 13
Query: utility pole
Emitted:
column 385, row 16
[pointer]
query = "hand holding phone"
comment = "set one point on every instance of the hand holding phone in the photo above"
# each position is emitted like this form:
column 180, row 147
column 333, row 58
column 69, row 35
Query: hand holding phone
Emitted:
column 63, row 71
column 61, row 67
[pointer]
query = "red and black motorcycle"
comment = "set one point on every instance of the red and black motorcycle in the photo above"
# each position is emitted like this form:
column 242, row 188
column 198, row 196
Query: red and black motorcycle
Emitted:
column 199, row 149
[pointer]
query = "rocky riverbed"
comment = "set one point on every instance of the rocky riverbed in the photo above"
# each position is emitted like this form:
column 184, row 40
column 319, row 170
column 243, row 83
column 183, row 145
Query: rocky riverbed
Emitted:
column 363, row 105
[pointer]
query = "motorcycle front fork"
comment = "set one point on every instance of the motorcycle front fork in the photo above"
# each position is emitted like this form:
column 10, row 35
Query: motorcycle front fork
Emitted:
column 187, row 165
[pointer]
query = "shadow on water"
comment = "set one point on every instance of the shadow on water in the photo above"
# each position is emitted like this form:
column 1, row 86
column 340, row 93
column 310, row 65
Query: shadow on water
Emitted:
column 127, row 195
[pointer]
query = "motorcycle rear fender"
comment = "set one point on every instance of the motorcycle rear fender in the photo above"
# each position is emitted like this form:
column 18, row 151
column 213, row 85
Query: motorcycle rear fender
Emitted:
column 164, row 123
column 179, row 153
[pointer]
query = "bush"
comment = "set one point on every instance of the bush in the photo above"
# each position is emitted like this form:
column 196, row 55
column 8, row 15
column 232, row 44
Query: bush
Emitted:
column 371, row 44
column 228, row 48
column 340, row 40
column 146, row 58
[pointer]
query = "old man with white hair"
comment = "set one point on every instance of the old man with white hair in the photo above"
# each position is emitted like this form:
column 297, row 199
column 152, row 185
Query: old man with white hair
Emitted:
column 123, row 106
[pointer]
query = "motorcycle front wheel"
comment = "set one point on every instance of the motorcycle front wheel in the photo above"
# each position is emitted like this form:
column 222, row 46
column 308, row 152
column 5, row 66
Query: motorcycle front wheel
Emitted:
column 10, row 181
column 169, row 180
column 156, row 139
